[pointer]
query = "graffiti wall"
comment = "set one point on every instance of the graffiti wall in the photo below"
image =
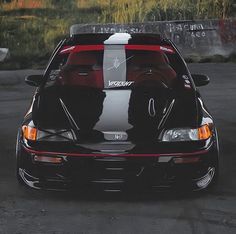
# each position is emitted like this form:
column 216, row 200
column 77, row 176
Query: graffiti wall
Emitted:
column 200, row 38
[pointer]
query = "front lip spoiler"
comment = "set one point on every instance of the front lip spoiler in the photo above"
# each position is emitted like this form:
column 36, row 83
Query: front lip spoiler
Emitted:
column 63, row 185
column 178, row 154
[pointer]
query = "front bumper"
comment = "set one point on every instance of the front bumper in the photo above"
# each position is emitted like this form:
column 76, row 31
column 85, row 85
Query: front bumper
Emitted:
column 119, row 172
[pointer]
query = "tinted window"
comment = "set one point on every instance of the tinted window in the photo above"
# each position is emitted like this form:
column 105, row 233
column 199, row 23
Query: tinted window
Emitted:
column 115, row 66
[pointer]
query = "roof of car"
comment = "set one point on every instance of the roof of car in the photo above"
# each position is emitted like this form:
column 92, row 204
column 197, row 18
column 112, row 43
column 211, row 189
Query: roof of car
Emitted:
column 117, row 38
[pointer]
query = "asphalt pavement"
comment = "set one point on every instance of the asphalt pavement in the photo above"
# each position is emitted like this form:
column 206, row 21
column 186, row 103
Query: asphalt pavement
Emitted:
column 26, row 211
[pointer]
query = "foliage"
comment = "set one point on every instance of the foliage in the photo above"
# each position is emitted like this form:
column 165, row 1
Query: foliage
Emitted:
column 31, row 28
column 13, row 4
column 126, row 11
column 31, row 34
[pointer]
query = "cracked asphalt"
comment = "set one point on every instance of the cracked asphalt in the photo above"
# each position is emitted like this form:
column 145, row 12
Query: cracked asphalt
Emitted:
column 26, row 211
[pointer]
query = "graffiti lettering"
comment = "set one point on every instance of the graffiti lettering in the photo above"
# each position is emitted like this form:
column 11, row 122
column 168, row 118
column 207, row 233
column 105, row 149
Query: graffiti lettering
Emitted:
column 201, row 37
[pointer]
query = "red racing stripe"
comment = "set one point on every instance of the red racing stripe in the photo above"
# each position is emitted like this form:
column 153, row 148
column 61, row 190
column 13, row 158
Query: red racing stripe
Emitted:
column 121, row 155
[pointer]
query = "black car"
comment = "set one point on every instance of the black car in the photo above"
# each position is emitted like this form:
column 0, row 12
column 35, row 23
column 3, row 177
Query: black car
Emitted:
column 117, row 112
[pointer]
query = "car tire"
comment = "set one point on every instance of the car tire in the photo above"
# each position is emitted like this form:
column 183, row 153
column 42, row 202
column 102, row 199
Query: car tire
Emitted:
column 215, row 163
column 18, row 158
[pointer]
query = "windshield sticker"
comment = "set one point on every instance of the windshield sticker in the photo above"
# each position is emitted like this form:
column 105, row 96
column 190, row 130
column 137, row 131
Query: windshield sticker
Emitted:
column 187, row 83
column 185, row 77
column 187, row 86
column 117, row 63
column 120, row 83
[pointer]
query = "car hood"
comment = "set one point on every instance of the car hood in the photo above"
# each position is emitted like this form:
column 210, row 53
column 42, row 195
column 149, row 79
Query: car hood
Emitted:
column 116, row 115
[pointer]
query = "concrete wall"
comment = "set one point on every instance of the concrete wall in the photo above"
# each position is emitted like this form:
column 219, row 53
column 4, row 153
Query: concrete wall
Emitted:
column 193, row 38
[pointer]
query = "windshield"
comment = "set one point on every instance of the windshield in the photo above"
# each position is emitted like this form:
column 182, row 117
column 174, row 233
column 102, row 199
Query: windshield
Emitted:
column 114, row 66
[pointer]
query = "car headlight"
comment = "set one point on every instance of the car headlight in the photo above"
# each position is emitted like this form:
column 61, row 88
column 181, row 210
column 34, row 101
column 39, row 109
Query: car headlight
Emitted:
column 34, row 134
column 29, row 133
column 186, row 134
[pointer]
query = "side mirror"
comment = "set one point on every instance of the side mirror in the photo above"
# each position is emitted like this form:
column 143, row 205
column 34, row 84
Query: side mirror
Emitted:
column 34, row 80
column 200, row 80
